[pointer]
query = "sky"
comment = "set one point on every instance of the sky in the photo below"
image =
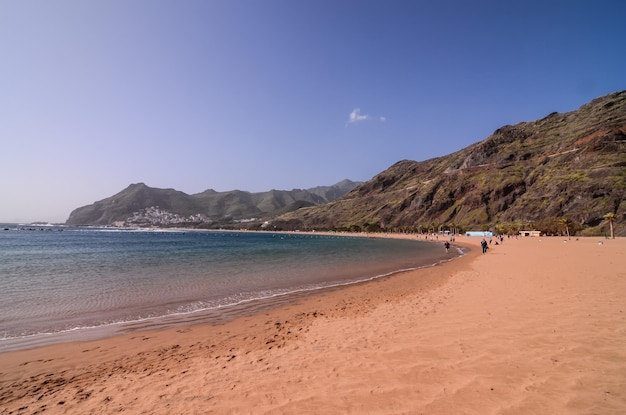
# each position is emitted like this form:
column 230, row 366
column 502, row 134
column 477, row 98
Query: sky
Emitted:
column 275, row 94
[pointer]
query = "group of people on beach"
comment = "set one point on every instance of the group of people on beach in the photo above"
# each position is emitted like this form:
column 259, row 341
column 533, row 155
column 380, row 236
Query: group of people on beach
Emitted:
column 485, row 245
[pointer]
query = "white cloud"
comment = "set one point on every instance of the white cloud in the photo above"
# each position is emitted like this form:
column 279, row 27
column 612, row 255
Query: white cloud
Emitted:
column 356, row 116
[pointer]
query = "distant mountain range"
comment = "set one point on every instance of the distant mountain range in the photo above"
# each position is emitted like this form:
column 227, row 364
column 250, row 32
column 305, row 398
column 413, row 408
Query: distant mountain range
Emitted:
column 562, row 169
column 140, row 204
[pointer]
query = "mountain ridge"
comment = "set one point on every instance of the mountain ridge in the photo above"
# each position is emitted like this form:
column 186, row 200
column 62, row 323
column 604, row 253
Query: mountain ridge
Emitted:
column 210, row 205
column 532, row 174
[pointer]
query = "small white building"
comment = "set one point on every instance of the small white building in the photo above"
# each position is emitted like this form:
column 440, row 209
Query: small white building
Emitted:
column 529, row 233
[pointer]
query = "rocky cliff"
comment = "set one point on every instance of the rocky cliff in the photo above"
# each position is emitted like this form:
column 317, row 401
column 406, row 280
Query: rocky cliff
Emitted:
column 569, row 166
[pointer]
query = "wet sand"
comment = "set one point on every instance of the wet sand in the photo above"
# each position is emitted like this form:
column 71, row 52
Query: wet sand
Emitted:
column 537, row 325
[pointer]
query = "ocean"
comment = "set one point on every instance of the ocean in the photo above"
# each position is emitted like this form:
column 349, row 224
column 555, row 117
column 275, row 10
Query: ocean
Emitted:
column 76, row 283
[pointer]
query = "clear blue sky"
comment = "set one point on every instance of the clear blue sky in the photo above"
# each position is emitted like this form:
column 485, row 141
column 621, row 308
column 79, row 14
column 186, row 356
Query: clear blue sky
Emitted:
column 263, row 94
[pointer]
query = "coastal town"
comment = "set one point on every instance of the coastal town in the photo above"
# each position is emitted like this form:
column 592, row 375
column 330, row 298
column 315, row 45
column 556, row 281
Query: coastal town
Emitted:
column 154, row 216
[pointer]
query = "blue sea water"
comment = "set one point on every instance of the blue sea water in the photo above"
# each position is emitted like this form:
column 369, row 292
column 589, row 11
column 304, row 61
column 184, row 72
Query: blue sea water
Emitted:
column 60, row 280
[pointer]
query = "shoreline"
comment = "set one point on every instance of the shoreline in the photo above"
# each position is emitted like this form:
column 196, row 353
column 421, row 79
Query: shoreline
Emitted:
column 222, row 313
column 534, row 326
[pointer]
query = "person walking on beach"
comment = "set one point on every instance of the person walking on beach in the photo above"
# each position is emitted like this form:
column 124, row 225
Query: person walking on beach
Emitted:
column 484, row 245
column 446, row 244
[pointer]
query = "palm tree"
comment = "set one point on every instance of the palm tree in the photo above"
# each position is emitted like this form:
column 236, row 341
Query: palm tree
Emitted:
column 431, row 227
column 611, row 218
column 566, row 222
column 453, row 226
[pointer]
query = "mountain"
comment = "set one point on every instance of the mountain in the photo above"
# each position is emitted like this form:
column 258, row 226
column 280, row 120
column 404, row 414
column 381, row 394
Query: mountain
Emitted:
column 138, row 204
column 335, row 191
column 533, row 174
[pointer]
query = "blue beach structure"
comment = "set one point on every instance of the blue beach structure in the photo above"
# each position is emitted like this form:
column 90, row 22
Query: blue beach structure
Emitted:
column 484, row 234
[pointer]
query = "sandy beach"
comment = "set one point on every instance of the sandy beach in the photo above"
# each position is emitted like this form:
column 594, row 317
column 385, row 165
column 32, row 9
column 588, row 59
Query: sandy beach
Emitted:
column 535, row 326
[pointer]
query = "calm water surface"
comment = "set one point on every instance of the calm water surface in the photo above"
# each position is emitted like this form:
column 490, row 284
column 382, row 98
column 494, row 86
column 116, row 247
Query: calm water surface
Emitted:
column 56, row 280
